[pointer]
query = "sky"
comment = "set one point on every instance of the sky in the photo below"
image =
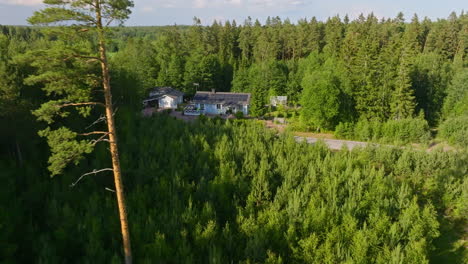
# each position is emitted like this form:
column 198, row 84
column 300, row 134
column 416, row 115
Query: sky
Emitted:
column 181, row 12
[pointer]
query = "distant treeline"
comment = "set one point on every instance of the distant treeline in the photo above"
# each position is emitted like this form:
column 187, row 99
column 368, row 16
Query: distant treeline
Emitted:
column 340, row 71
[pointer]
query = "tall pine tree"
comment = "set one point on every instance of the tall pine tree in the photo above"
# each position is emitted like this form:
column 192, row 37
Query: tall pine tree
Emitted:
column 70, row 73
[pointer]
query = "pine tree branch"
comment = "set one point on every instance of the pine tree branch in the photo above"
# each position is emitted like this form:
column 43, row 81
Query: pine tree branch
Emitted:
column 81, row 104
column 100, row 119
column 90, row 58
column 100, row 139
column 89, row 173
column 95, row 141
column 86, row 57
column 94, row 133
column 109, row 22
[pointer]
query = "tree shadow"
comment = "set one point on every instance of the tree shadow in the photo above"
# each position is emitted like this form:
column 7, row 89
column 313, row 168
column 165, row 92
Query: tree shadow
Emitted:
column 450, row 246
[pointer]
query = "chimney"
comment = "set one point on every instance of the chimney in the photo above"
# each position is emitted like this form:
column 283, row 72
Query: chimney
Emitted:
column 213, row 91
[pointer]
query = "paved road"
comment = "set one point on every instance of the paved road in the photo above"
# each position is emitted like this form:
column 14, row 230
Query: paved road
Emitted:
column 335, row 144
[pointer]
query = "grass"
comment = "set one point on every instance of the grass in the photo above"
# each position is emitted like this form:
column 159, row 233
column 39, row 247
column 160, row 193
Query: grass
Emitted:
column 325, row 135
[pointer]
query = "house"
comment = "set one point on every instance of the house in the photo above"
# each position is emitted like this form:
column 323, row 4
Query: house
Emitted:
column 278, row 100
column 164, row 97
column 216, row 103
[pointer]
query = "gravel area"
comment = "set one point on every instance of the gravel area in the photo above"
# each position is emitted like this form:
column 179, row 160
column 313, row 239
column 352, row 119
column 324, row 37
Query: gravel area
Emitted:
column 334, row 144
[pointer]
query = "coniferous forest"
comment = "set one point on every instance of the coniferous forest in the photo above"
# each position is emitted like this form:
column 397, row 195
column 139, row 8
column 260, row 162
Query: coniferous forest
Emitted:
column 216, row 191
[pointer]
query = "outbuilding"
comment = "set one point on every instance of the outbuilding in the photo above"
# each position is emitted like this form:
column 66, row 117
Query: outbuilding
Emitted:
column 164, row 97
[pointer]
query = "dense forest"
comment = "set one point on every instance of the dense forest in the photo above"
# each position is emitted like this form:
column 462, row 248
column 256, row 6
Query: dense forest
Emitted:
column 216, row 191
column 236, row 193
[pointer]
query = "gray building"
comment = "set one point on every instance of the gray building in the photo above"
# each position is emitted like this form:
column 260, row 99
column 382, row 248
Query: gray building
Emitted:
column 221, row 103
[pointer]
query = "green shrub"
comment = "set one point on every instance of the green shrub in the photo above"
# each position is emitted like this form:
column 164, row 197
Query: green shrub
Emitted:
column 406, row 130
column 455, row 130
column 296, row 124
column 239, row 115
column 393, row 131
column 180, row 107
column 202, row 118
column 344, row 130
column 362, row 130
column 217, row 119
column 376, row 128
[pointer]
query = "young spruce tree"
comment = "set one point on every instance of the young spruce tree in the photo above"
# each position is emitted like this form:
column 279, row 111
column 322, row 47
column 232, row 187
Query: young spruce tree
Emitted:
column 75, row 72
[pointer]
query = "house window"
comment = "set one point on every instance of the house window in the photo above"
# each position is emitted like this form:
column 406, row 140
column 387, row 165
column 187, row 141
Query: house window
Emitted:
column 218, row 106
column 202, row 106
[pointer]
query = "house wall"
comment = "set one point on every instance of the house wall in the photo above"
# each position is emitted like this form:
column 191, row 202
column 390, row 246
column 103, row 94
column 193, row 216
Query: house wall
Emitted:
column 212, row 110
column 169, row 102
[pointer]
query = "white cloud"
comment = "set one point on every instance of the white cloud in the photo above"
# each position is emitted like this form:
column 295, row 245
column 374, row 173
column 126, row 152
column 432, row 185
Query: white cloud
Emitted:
column 169, row 5
column 200, row 3
column 265, row 3
column 234, row 2
column 21, row 2
column 147, row 9
column 271, row 6
column 296, row 2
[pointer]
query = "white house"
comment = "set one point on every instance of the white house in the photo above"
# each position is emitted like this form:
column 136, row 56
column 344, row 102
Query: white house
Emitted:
column 164, row 97
column 216, row 103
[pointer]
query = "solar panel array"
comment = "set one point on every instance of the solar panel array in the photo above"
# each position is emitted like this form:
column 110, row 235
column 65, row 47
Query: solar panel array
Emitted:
column 221, row 98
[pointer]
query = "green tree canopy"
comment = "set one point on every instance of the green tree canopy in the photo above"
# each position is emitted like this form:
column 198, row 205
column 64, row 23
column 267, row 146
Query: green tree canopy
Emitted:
column 321, row 98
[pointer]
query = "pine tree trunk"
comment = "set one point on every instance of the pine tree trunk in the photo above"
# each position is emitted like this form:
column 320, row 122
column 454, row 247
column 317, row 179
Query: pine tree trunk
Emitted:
column 113, row 139
column 18, row 152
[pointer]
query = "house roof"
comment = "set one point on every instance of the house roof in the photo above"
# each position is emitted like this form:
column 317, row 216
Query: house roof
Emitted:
column 169, row 91
column 221, row 98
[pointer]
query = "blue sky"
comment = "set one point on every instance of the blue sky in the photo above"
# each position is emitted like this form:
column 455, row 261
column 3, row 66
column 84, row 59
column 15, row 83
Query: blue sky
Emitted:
column 169, row 12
